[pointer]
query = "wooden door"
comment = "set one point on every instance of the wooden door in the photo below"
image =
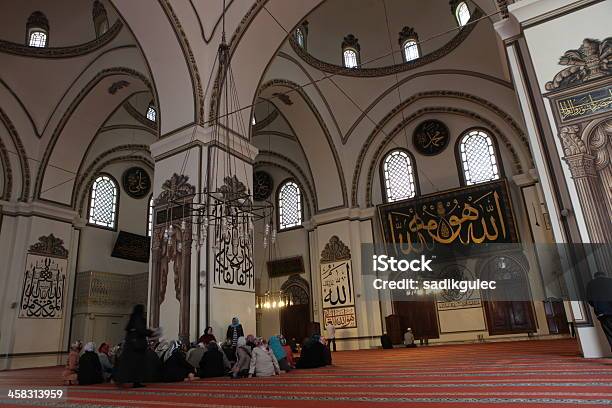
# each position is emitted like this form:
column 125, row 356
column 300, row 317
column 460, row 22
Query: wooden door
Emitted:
column 419, row 313
column 508, row 315
column 295, row 321
column 556, row 317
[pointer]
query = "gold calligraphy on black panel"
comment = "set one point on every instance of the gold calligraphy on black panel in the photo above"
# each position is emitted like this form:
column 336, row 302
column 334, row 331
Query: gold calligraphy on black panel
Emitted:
column 586, row 104
column 467, row 217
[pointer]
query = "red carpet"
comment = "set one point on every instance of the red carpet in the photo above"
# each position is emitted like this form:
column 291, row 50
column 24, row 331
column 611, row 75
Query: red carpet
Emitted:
column 525, row 373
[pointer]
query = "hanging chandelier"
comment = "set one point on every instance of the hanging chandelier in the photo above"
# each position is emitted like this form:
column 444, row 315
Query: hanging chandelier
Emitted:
column 273, row 300
column 224, row 212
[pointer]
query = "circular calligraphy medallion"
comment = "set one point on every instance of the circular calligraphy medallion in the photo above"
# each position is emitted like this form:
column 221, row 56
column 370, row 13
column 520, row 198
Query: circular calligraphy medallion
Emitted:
column 431, row 137
column 136, row 182
column 262, row 185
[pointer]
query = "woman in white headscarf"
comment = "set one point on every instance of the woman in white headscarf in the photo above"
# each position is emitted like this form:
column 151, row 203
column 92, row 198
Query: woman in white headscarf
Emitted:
column 263, row 361
column 175, row 365
column 243, row 359
column 90, row 369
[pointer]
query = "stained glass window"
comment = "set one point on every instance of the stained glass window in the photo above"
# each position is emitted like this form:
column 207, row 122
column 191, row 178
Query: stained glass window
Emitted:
column 411, row 50
column 462, row 13
column 150, row 217
column 350, row 58
column 37, row 39
column 103, row 204
column 478, row 157
column 398, row 173
column 289, row 206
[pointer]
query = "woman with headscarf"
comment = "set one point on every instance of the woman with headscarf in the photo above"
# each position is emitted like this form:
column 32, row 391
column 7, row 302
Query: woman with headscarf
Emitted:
column 279, row 352
column 234, row 331
column 212, row 364
column 90, row 369
column 243, row 359
column 195, row 354
column 313, row 354
column 105, row 361
column 133, row 357
column 207, row 336
column 69, row 374
column 263, row 361
column 288, row 350
column 175, row 365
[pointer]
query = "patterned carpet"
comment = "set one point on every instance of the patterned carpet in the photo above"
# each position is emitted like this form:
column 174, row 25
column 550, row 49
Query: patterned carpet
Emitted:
column 524, row 373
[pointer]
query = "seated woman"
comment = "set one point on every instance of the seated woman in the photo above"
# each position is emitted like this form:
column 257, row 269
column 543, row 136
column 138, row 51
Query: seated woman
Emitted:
column 243, row 359
column 69, row 374
column 263, row 362
column 207, row 337
column 288, row 351
column 105, row 361
column 175, row 366
column 212, row 364
column 279, row 353
column 313, row 354
column 195, row 354
column 90, row 369
column 153, row 367
column 409, row 338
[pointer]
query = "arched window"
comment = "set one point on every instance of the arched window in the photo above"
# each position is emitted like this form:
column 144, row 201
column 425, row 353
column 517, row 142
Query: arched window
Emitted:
column 462, row 13
column 151, row 113
column 350, row 51
column 103, row 203
column 411, row 50
column 409, row 41
column 150, row 217
column 37, row 30
column 100, row 18
column 398, row 175
column 289, row 205
column 478, row 157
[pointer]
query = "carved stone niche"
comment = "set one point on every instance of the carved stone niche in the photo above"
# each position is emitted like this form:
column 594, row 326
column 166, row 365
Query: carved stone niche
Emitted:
column 581, row 101
column 174, row 245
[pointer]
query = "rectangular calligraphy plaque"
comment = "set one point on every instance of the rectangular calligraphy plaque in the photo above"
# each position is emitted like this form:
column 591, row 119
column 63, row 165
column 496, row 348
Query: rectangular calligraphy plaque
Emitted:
column 452, row 223
column 42, row 295
column 585, row 104
column 338, row 294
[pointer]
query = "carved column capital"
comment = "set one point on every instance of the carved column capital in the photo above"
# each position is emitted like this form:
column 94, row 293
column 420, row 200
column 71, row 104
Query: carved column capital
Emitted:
column 581, row 165
column 570, row 140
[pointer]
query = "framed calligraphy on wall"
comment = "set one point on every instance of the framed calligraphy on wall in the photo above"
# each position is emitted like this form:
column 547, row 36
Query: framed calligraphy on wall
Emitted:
column 136, row 182
column 337, row 286
column 42, row 295
column 451, row 223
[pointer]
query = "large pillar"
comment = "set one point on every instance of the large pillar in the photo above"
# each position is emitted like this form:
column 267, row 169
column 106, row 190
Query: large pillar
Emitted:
column 193, row 286
column 536, row 34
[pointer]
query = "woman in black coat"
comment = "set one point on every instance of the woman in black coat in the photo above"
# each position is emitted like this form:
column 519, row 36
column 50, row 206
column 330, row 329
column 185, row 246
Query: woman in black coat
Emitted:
column 133, row 358
column 175, row 365
column 211, row 364
column 90, row 369
column 313, row 354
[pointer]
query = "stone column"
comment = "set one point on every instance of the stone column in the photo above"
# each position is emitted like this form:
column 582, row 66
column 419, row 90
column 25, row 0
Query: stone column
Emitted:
column 592, row 199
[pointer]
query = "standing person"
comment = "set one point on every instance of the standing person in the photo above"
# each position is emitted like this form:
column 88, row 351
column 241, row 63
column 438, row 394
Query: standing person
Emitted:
column 263, row 362
column 331, row 335
column 234, row 330
column 90, row 369
column 599, row 296
column 72, row 365
column 409, row 338
column 134, row 355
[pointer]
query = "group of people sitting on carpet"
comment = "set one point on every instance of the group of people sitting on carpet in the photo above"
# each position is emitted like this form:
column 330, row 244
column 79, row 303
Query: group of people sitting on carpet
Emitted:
column 140, row 359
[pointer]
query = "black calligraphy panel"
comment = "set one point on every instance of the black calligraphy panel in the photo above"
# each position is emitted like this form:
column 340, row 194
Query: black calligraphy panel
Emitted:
column 452, row 223
column 136, row 182
column 42, row 295
column 431, row 137
column 585, row 105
